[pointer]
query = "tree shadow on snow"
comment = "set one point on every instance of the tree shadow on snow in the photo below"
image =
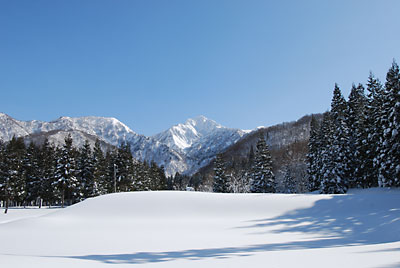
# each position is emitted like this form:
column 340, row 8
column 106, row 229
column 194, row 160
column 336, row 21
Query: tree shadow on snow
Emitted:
column 343, row 220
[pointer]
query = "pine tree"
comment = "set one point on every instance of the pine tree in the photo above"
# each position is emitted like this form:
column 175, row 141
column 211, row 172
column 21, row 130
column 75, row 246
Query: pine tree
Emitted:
column 99, row 170
column 390, row 165
column 157, row 177
column 374, row 130
column 221, row 182
column 146, row 180
column 4, row 179
column 313, row 155
column 289, row 181
column 32, row 174
column 66, row 181
column 334, row 159
column 138, row 183
column 124, row 162
column 323, row 161
column 251, row 155
column 85, row 171
column 357, row 137
column 12, row 172
column 16, row 151
column 162, row 179
column 263, row 179
column 48, row 164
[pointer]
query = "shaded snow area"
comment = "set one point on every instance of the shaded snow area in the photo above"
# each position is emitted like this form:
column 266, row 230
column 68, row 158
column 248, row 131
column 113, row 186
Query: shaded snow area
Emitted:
column 191, row 229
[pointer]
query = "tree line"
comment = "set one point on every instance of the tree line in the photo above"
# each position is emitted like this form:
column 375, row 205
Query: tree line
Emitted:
column 357, row 144
column 49, row 175
column 255, row 175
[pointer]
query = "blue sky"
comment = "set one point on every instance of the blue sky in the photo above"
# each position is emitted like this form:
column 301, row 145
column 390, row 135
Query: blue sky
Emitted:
column 152, row 64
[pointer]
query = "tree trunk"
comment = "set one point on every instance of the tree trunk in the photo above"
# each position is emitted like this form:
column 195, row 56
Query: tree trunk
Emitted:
column 5, row 211
column 62, row 199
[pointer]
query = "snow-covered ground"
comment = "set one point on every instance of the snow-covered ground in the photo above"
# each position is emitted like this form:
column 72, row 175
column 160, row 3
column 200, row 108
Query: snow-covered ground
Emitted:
column 24, row 213
column 191, row 229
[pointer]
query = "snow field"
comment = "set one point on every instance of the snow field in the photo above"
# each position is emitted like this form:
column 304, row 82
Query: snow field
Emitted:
column 191, row 229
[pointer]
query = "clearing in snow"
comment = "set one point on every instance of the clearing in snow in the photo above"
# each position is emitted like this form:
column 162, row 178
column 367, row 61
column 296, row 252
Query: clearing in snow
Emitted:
column 192, row 229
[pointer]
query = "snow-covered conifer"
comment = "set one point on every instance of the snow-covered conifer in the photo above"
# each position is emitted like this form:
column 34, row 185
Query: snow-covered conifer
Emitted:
column 85, row 171
column 288, row 181
column 390, row 164
column 262, row 179
column 374, row 131
column 357, row 136
column 334, row 154
column 313, row 155
column 220, row 182
column 66, row 181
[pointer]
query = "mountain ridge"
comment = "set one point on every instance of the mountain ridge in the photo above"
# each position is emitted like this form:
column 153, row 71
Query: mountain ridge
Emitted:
column 183, row 148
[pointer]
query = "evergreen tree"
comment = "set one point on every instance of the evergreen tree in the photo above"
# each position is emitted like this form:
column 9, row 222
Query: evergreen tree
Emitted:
column 157, row 177
column 12, row 172
column 251, row 155
column 85, row 171
column 99, row 170
column 340, row 136
column 4, row 179
column 335, row 164
column 324, row 161
column 139, row 181
column 178, row 182
column 124, row 162
column 289, row 181
column 357, row 137
column 161, row 178
column 221, row 182
column 263, row 179
column 111, row 170
column 16, row 173
column 146, row 180
column 313, row 155
column 48, row 164
column 374, row 130
column 66, row 181
column 390, row 165
column 32, row 174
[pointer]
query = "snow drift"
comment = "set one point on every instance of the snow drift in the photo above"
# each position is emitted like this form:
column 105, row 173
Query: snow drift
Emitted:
column 190, row 229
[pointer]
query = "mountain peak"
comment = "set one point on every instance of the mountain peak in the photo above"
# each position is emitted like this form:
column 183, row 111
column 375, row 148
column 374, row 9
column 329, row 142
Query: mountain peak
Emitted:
column 183, row 148
column 4, row 116
column 200, row 118
column 202, row 124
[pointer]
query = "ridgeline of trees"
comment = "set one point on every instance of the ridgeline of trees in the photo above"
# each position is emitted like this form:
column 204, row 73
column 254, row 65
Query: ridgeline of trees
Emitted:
column 357, row 145
column 46, row 175
column 255, row 175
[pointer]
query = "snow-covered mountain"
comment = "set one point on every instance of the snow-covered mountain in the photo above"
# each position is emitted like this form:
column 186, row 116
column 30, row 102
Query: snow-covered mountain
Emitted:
column 183, row 148
column 10, row 127
column 199, row 139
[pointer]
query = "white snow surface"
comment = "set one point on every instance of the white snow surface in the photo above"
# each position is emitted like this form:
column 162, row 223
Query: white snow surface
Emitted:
column 199, row 139
column 107, row 129
column 192, row 229
column 183, row 136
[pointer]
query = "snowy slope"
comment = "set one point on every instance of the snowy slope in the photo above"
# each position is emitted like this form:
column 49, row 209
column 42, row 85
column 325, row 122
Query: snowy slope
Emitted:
column 183, row 148
column 199, row 139
column 107, row 129
column 190, row 229
column 198, row 130
column 10, row 127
